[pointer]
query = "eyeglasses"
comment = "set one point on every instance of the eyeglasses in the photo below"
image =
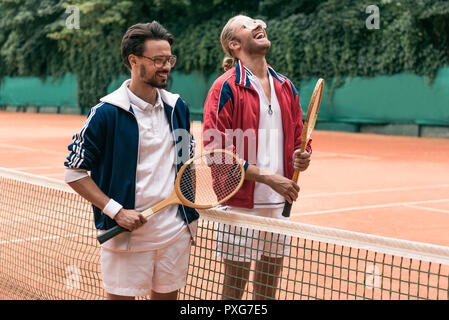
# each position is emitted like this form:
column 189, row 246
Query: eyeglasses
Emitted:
column 253, row 24
column 161, row 61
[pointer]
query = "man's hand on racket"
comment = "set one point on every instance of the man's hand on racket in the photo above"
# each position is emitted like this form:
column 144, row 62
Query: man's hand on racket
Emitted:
column 130, row 219
column 218, row 180
column 285, row 187
column 301, row 160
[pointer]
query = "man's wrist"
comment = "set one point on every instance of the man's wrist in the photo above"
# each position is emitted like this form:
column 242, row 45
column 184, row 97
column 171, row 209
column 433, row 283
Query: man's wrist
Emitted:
column 112, row 208
column 266, row 177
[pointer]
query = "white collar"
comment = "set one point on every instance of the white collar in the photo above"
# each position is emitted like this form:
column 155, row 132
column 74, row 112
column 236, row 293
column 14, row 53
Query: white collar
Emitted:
column 255, row 80
column 142, row 104
column 120, row 97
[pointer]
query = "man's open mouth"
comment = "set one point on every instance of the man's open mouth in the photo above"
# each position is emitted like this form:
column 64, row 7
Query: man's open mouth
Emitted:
column 259, row 35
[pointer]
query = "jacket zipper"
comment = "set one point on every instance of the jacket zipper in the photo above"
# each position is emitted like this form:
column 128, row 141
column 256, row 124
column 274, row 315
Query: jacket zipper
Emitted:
column 138, row 160
column 176, row 161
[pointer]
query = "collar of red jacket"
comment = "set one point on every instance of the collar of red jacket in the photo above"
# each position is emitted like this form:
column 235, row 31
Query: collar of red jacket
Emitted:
column 242, row 75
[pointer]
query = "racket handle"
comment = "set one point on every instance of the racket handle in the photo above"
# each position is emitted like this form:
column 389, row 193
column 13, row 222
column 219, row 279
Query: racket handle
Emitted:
column 111, row 233
column 295, row 176
column 287, row 209
column 287, row 205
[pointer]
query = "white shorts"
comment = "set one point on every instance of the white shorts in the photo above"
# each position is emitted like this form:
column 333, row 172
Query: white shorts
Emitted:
column 244, row 244
column 138, row 273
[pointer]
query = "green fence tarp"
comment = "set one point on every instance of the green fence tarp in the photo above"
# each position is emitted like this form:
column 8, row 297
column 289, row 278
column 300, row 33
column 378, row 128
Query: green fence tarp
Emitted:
column 401, row 98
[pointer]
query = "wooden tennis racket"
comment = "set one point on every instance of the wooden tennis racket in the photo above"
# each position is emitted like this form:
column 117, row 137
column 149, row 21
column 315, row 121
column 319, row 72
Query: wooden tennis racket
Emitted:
column 203, row 182
column 309, row 124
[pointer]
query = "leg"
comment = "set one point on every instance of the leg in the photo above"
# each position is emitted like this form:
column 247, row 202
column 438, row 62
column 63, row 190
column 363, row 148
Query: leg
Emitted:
column 236, row 278
column 171, row 266
column 266, row 277
column 268, row 269
column 164, row 296
column 123, row 278
column 117, row 297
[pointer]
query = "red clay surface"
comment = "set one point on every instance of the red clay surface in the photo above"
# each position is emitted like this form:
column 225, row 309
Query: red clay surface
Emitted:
column 384, row 185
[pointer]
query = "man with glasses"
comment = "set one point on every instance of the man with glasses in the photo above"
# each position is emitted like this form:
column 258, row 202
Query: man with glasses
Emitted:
column 254, row 99
column 129, row 145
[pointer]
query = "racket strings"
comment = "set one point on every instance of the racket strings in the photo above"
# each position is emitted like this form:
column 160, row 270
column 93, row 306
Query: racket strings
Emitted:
column 211, row 179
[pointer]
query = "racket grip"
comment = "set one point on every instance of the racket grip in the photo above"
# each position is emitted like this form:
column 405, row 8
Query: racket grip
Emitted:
column 287, row 209
column 111, row 233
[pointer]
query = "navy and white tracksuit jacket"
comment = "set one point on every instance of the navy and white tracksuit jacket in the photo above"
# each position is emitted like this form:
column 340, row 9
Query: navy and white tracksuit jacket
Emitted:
column 107, row 146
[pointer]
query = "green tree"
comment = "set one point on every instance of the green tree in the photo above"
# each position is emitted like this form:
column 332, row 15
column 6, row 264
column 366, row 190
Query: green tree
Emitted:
column 93, row 51
column 310, row 38
column 25, row 49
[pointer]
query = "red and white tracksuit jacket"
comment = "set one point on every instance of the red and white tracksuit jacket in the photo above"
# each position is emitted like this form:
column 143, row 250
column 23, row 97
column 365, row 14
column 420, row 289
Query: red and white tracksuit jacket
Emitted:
column 232, row 111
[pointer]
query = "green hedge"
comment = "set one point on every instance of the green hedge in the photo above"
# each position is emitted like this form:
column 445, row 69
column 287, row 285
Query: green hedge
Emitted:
column 310, row 38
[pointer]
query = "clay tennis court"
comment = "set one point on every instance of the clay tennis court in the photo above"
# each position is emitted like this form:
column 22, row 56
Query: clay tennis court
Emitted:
column 384, row 185
column 381, row 185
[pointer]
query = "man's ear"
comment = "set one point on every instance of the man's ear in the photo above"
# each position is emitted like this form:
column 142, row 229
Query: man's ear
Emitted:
column 132, row 59
column 234, row 45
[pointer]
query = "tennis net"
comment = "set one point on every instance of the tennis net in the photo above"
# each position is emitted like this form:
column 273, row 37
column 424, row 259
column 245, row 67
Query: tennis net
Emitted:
column 48, row 250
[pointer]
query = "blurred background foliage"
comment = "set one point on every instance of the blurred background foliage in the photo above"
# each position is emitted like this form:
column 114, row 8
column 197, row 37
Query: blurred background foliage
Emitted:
column 310, row 38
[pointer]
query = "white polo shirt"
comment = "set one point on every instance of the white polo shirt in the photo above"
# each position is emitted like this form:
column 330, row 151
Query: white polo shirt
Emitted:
column 270, row 146
column 155, row 176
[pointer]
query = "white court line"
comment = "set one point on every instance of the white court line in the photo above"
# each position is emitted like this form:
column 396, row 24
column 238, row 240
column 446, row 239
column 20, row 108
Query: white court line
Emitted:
column 30, row 149
column 316, row 195
column 330, row 159
column 47, row 238
column 13, row 220
column 55, row 175
column 385, row 205
column 44, row 219
column 427, row 208
column 347, row 155
column 16, row 151
column 35, row 168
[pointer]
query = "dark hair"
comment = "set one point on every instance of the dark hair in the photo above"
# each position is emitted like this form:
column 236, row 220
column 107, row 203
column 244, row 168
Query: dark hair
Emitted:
column 134, row 39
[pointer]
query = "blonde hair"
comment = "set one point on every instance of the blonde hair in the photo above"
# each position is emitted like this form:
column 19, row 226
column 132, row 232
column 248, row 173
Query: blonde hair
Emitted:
column 227, row 35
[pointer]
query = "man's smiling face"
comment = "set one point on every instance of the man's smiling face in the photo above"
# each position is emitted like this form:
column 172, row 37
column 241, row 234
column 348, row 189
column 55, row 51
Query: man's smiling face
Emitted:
column 148, row 72
column 252, row 35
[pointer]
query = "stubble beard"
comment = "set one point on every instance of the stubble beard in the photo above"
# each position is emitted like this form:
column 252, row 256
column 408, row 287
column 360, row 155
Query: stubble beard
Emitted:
column 253, row 48
column 160, row 84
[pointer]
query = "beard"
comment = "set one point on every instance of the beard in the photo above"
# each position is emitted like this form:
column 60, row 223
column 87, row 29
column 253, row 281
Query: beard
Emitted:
column 153, row 80
column 253, row 47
